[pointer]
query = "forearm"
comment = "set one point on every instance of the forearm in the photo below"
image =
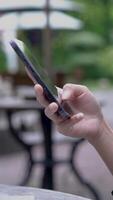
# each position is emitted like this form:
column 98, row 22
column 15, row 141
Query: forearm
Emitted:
column 104, row 145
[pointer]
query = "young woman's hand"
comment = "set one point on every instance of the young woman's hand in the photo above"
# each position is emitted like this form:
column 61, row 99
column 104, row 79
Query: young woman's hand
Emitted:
column 86, row 118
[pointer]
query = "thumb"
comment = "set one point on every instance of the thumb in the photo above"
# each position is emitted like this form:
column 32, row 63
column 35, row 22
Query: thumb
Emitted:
column 72, row 91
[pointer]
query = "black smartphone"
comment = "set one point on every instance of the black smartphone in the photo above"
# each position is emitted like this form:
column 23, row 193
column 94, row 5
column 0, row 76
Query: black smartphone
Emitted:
column 38, row 74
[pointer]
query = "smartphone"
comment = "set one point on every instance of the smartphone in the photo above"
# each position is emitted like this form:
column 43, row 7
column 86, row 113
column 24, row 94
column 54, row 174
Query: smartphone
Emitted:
column 38, row 74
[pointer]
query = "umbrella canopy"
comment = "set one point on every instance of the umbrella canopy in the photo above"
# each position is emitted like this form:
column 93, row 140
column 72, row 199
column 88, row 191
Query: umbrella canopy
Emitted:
column 12, row 5
column 31, row 20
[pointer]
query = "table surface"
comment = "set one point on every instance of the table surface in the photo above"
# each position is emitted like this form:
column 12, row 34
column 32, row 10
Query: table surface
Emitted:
column 39, row 194
column 12, row 103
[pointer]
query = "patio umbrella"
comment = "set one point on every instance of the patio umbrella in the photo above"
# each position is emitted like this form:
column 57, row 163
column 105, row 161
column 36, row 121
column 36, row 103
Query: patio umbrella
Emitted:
column 25, row 5
column 10, row 23
column 32, row 20
column 45, row 20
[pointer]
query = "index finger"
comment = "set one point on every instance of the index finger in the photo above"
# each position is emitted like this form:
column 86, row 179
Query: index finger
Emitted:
column 40, row 95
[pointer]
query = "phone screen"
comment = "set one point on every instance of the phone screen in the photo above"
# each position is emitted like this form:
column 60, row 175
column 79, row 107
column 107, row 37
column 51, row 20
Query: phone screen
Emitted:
column 35, row 64
column 38, row 73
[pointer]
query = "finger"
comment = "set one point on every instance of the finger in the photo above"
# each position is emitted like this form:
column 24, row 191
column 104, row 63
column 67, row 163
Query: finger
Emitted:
column 72, row 91
column 40, row 95
column 78, row 117
column 51, row 113
column 69, row 127
column 65, row 105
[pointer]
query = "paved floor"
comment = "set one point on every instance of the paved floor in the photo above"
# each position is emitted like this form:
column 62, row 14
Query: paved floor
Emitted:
column 88, row 161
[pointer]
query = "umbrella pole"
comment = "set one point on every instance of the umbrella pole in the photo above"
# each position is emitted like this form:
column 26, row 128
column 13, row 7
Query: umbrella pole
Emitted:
column 48, row 177
column 47, row 42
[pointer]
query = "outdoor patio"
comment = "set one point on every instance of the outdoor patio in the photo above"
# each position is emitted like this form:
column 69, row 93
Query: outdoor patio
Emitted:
column 92, row 168
column 73, row 41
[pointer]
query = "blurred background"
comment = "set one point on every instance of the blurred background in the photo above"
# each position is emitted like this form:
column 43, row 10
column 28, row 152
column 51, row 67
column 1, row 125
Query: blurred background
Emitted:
column 73, row 41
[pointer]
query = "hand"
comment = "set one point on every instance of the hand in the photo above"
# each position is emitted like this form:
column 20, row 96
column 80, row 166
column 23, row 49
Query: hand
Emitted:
column 86, row 118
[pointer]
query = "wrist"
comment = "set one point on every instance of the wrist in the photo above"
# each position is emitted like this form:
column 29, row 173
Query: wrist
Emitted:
column 103, row 132
column 104, row 144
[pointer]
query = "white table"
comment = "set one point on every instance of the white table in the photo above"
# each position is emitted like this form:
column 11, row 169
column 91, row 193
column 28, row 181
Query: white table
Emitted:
column 38, row 194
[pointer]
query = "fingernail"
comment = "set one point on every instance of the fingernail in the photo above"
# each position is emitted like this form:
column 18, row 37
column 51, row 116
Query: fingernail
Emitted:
column 79, row 115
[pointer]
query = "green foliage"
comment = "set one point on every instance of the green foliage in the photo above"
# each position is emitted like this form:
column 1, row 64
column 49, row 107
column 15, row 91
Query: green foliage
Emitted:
column 91, row 48
column 3, row 64
column 85, row 39
column 106, row 61
column 60, row 53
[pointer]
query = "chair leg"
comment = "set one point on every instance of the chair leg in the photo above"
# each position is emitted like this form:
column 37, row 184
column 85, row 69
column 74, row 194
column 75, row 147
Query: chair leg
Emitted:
column 28, row 170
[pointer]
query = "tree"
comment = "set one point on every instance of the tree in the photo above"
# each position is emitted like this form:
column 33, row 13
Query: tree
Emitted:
column 86, row 48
